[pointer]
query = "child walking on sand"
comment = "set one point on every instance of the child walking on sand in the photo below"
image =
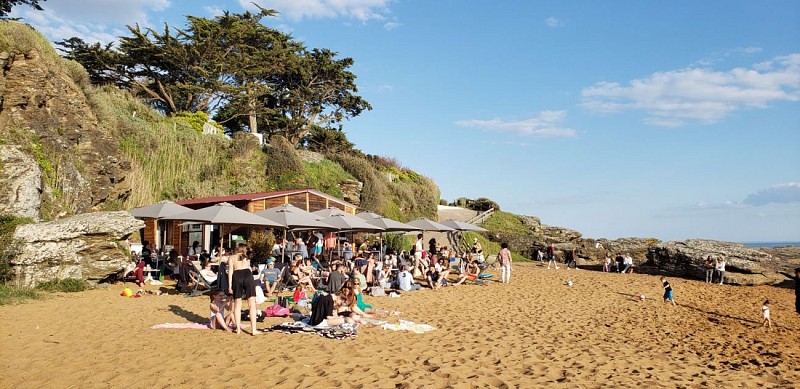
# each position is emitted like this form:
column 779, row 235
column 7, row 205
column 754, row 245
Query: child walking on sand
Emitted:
column 668, row 296
column 765, row 315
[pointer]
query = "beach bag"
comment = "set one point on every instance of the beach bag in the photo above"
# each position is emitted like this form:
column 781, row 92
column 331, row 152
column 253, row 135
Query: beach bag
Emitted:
column 277, row 311
column 377, row 291
column 260, row 298
column 283, row 301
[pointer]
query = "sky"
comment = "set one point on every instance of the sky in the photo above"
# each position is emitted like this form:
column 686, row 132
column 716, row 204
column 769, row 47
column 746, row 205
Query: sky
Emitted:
column 672, row 120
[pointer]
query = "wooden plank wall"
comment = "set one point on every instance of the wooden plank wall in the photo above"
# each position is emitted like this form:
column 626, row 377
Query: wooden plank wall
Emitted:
column 150, row 230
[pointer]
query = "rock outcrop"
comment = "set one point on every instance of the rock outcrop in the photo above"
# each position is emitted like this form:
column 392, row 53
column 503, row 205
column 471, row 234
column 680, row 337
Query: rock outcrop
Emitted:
column 90, row 246
column 744, row 265
column 47, row 112
column 20, row 183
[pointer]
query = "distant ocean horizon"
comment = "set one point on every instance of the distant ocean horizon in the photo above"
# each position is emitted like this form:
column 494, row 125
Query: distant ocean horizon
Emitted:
column 771, row 244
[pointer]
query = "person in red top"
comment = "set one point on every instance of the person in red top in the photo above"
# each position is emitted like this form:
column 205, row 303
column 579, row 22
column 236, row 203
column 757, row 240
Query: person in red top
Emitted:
column 551, row 256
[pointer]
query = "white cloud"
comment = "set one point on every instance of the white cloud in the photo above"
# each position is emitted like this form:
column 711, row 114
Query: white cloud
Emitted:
column 553, row 22
column 674, row 98
column 362, row 10
column 214, row 10
column 545, row 125
column 90, row 20
column 787, row 193
column 391, row 25
column 720, row 56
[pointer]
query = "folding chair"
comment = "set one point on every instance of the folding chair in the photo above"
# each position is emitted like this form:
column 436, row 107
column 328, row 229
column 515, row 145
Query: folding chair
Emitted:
column 199, row 280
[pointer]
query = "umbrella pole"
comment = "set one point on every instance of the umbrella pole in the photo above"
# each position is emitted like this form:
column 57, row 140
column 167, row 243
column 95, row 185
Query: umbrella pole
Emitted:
column 283, row 246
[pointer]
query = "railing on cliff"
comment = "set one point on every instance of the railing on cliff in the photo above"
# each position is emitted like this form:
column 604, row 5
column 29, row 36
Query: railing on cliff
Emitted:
column 481, row 217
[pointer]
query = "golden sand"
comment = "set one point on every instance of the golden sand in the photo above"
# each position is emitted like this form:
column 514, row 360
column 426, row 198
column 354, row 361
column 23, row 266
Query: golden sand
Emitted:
column 533, row 332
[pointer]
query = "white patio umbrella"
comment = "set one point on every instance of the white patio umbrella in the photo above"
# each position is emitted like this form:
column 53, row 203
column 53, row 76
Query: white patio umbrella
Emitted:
column 290, row 217
column 368, row 215
column 344, row 221
column 390, row 225
column 426, row 224
column 222, row 214
column 159, row 211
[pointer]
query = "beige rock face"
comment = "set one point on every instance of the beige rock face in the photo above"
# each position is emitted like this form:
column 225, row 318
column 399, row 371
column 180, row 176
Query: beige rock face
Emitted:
column 43, row 109
column 20, row 183
column 744, row 265
column 90, row 246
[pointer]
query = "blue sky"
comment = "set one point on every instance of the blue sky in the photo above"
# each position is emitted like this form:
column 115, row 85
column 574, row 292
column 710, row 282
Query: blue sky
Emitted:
column 671, row 120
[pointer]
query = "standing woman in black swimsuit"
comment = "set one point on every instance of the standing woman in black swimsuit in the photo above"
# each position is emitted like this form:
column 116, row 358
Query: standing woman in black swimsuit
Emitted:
column 241, row 284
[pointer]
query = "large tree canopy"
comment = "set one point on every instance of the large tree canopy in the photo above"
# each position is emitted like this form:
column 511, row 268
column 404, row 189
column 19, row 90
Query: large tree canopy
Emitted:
column 253, row 77
column 6, row 5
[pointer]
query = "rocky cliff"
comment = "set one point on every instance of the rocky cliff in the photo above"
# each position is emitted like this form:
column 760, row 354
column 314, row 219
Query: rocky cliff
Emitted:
column 89, row 247
column 46, row 115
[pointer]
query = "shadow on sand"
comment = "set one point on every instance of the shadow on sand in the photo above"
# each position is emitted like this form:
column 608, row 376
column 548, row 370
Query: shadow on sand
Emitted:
column 189, row 316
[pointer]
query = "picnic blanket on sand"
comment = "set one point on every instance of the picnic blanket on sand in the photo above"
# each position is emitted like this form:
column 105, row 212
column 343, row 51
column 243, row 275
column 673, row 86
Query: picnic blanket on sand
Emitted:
column 405, row 325
column 344, row 331
column 191, row 326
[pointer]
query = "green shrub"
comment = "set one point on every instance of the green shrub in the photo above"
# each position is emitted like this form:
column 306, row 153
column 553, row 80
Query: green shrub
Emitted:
column 505, row 223
column 326, row 176
column 8, row 248
column 67, row 285
column 284, row 167
column 13, row 295
column 195, row 120
column 261, row 244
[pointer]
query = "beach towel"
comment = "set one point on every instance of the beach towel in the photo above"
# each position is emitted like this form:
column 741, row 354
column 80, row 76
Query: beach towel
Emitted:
column 344, row 331
column 410, row 326
column 190, row 326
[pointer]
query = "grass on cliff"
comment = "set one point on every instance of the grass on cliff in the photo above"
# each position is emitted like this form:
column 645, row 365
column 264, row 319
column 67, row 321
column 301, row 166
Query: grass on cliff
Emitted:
column 169, row 159
column 10, row 295
column 505, row 223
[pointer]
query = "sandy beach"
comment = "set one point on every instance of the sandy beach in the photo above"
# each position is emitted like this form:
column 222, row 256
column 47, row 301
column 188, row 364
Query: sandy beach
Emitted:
column 533, row 332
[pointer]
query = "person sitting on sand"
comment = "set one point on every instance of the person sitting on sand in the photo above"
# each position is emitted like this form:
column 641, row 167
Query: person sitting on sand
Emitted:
column 361, row 308
column 433, row 276
column 668, row 295
column 472, row 273
column 405, row 281
column 218, row 318
column 324, row 310
column 607, row 263
column 381, row 277
column 444, row 271
column 347, row 309
column 337, row 278
column 627, row 261
column 358, row 276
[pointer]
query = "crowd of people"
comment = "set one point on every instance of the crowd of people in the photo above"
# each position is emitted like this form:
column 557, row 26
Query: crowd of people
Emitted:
column 333, row 292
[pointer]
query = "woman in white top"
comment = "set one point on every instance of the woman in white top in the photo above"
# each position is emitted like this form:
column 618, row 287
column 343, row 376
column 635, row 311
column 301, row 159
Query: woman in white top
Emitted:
column 720, row 268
